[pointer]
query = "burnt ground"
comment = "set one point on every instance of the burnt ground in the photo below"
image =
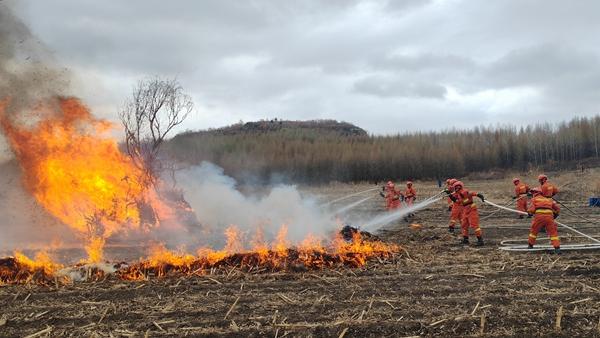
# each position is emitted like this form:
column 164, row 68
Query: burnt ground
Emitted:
column 439, row 289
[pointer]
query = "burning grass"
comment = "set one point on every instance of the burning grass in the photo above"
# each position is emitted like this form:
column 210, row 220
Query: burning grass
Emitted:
column 163, row 263
column 78, row 175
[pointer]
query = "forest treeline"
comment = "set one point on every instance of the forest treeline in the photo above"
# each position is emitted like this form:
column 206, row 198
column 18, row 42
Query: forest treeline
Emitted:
column 318, row 155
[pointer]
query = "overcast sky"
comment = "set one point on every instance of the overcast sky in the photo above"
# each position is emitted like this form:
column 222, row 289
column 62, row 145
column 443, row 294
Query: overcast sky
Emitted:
column 386, row 66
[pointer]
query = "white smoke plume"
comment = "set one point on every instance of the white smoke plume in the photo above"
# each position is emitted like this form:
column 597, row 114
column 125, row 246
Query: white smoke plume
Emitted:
column 218, row 204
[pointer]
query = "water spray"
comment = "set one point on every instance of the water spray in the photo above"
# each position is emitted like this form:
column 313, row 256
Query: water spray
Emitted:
column 352, row 205
column 385, row 219
column 349, row 196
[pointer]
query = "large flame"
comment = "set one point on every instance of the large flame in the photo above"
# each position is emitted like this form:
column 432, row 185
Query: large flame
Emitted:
column 75, row 171
column 79, row 175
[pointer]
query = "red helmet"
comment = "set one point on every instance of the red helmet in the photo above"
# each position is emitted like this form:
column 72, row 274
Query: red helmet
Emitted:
column 542, row 177
column 453, row 180
column 535, row 191
column 390, row 184
column 409, row 183
column 516, row 180
column 448, row 181
column 457, row 184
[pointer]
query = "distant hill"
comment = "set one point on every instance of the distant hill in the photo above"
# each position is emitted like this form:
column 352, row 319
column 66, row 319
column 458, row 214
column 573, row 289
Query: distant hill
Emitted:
column 275, row 125
column 326, row 150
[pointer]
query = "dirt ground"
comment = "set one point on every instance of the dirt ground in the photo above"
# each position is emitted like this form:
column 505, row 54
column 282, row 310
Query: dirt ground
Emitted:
column 440, row 288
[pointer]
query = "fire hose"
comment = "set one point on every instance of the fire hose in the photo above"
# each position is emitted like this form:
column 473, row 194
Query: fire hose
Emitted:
column 573, row 212
column 595, row 245
column 504, row 205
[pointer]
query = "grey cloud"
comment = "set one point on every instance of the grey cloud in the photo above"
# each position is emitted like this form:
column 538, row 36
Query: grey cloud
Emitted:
column 315, row 56
column 404, row 5
column 398, row 88
column 425, row 62
column 543, row 64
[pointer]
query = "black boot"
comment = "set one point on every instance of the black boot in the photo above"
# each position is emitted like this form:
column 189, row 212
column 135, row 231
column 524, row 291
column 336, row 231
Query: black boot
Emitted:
column 479, row 241
column 451, row 229
column 530, row 246
column 465, row 240
column 557, row 250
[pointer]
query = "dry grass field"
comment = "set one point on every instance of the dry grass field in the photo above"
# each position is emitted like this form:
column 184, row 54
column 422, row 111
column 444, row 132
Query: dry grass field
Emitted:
column 435, row 288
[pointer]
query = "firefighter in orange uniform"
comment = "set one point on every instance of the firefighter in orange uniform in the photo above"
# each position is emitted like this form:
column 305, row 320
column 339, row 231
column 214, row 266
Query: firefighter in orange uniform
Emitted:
column 391, row 195
column 547, row 188
column 521, row 191
column 470, row 215
column 545, row 210
column 455, row 207
column 410, row 194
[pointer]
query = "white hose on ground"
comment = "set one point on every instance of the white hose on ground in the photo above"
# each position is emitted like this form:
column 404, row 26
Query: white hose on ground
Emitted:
column 570, row 247
column 567, row 247
column 561, row 224
column 578, row 232
column 351, row 195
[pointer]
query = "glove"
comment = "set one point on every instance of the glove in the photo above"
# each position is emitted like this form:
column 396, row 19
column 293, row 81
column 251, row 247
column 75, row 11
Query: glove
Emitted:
column 481, row 196
column 450, row 208
column 514, row 197
column 402, row 198
column 529, row 194
column 447, row 191
column 555, row 216
column 529, row 215
column 381, row 194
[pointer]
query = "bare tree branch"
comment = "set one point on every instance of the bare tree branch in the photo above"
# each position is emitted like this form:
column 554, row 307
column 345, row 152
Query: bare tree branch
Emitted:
column 154, row 109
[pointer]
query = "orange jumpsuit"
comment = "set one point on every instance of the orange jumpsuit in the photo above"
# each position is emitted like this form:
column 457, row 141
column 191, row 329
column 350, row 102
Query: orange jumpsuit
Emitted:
column 548, row 189
column 392, row 198
column 470, row 215
column 456, row 214
column 410, row 194
column 521, row 191
column 544, row 209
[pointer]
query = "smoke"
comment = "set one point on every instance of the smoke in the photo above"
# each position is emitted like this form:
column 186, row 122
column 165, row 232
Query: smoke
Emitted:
column 23, row 223
column 218, row 205
column 27, row 70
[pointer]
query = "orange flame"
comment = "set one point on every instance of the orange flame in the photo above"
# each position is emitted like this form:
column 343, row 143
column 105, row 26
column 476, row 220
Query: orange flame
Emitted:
column 41, row 261
column 79, row 177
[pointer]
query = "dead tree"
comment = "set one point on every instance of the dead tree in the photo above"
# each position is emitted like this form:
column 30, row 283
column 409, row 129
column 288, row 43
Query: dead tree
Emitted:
column 155, row 108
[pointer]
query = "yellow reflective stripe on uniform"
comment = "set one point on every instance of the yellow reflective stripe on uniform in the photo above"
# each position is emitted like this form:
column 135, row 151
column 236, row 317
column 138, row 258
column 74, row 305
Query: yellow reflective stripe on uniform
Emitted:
column 478, row 229
column 554, row 238
column 544, row 211
column 532, row 236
